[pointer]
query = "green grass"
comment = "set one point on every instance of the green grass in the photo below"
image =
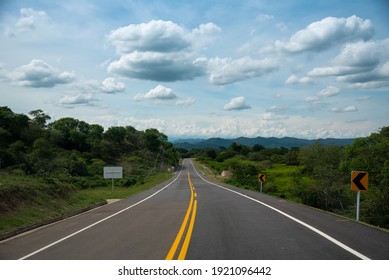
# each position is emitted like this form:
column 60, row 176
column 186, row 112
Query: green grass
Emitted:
column 280, row 179
column 25, row 201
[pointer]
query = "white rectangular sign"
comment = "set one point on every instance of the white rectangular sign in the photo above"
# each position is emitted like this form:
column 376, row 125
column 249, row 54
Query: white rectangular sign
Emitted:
column 112, row 172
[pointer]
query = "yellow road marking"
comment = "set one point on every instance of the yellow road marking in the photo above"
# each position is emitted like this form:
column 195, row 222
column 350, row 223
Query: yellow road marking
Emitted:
column 185, row 246
column 192, row 209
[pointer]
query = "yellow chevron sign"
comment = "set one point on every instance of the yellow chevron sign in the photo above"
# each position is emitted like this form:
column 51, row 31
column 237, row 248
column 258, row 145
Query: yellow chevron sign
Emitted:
column 261, row 178
column 359, row 181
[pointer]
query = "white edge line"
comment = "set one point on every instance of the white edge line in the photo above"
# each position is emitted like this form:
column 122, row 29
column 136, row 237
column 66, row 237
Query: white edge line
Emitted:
column 326, row 236
column 98, row 222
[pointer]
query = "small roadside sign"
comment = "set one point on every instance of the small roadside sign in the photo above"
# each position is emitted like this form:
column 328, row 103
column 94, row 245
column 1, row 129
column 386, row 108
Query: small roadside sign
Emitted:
column 261, row 178
column 113, row 172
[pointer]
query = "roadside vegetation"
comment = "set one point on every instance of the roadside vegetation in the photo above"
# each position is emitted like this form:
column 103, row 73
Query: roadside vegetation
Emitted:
column 317, row 175
column 53, row 169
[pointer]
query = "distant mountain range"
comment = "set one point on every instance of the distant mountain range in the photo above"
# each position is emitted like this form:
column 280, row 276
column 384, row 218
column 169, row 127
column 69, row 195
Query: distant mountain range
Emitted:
column 271, row 142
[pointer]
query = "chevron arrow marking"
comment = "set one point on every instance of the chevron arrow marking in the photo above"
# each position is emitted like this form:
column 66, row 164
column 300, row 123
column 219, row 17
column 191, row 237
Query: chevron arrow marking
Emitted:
column 359, row 181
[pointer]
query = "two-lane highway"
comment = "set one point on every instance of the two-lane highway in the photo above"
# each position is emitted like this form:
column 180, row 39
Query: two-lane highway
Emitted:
column 190, row 217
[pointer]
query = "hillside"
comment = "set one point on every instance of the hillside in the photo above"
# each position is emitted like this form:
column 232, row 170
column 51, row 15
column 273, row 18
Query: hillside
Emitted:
column 270, row 142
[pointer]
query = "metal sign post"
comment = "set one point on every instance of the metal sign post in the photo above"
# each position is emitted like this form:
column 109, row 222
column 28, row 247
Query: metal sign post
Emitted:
column 358, row 203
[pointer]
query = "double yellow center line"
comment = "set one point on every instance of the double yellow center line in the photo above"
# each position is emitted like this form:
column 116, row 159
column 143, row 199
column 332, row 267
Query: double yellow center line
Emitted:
column 185, row 228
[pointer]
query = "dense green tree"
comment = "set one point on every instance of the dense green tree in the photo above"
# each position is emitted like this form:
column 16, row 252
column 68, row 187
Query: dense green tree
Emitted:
column 153, row 139
column 257, row 148
column 70, row 129
column 329, row 190
column 18, row 151
column 134, row 138
column 12, row 125
column 371, row 154
column 244, row 174
column 39, row 118
column 116, row 134
column 211, row 153
column 42, row 156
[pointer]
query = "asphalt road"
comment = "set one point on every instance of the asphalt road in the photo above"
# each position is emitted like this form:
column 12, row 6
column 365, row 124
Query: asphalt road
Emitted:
column 190, row 217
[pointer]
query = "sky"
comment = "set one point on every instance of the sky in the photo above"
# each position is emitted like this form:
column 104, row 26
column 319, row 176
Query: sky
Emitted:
column 201, row 69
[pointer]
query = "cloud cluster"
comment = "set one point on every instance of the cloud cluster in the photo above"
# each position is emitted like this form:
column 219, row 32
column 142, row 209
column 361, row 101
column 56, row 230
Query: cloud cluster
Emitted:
column 323, row 34
column 89, row 90
column 236, row 104
column 267, row 125
column 39, row 74
column 164, row 51
column 360, row 64
column 159, row 50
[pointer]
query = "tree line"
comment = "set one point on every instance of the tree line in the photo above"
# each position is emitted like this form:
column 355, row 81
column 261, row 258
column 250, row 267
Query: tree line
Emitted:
column 68, row 147
column 322, row 174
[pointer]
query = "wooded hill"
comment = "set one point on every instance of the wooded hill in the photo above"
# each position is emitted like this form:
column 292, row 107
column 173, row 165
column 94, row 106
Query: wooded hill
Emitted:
column 71, row 148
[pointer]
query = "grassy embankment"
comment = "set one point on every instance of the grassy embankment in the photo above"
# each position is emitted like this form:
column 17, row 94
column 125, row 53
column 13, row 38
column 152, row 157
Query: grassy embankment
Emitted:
column 27, row 201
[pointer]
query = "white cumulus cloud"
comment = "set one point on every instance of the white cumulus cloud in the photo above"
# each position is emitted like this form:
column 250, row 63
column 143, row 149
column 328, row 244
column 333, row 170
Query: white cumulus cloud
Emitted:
column 321, row 35
column 165, row 96
column 156, row 67
column 237, row 103
column 80, row 99
column 111, row 85
column 39, row 74
column 224, row 71
column 157, row 93
column 160, row 50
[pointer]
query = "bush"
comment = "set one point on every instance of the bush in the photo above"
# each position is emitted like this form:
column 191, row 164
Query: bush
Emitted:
column 128, row 182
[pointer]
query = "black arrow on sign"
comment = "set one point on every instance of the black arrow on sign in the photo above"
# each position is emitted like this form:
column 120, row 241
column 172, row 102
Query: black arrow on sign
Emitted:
column 261, row 178
column 357, row 181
